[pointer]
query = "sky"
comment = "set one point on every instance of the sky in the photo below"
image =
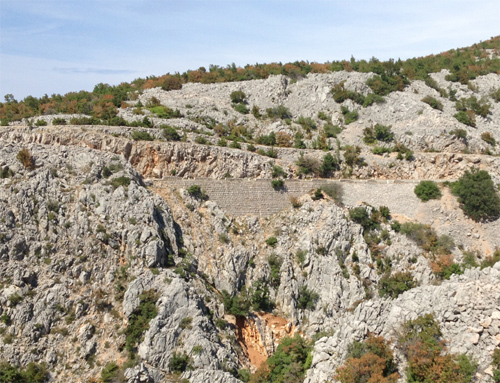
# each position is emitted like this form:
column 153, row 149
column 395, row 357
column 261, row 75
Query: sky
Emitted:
column 60, row 46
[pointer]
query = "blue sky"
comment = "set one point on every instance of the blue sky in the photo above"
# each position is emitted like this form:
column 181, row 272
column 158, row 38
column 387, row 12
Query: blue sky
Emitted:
column 58, row 46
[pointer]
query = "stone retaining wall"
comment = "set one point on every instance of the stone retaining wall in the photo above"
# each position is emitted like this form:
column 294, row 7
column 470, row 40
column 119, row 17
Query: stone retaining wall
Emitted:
column 256, row 196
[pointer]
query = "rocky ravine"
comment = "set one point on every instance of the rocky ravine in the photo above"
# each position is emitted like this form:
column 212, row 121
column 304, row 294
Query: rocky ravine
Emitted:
column 87, row 242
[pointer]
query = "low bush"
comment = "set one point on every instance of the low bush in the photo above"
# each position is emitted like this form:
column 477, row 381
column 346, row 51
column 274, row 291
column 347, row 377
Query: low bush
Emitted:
column 361, row 216
column 332, row 130
column 307, row 299
column 307, row 165
column 280, row 111
column 120, row 181
column 334, row 190
column 349, row 115
column 467, row 118
column 427, row 190
column 238, row 97
column 461, row 134
column 488, row 138
column 241, row 108
column 307, row 123
column 383, row 133
column 433, row 103
column 109, row 372
column 352, row 156
column 33, row 373
column 26, row 159
column 425, row 237
column 58, row 121
column 179, row 363
column 277, row 184
column 138, row 135
column 271, row 241
column 277, row 171
column 394, row 285
column 170, row 133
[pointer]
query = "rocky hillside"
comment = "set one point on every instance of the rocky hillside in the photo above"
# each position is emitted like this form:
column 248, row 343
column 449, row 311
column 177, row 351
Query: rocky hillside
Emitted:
column 218, row 221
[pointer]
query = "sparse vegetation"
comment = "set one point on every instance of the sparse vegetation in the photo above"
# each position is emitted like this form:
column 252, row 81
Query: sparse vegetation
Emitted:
column 26, row 159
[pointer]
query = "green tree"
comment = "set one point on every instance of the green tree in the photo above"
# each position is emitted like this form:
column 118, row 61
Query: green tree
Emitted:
column 477, row 195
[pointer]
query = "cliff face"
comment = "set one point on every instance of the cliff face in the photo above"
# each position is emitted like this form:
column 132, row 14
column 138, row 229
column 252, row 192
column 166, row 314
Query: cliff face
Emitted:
column 107, row 254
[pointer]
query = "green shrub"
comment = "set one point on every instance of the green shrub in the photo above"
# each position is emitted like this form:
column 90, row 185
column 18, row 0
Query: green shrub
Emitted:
column 15, row 299
column 139, row 320
column 349, row 115
column 361, row 216
column 120, row 181
column 318, row 194
column 277, row 184
column 275, row 263
column 41, row 123
column 373, row 98
column 383, row 133
column 480, row 107
column 58, row 121
column 179, row 363
column 260, row 297
column 272, row 241
column 200, row 140
column 459, row 133
column 222, row 142
column 138, row 135
column 307, row 299
column 393, row 286
column 307, row 123
column 466, row 118
column 277, row 171
column 369, row 136
column 269, row 140
column 195, row 190
column 385, row 84
column 165, row 112
column 477, row 195
column 238, row 97
column 433, row 103
column 352, row 156
column 237, row 305
column 241, row 108
column 109, row 372
column 235, row 145
column 170, row 133
column 251, row 148
column 34, row 373
column 379, row 150
column 6, row 172
column 328, row 165
column 488, row 138
column 331, row 130
column 186, row 323
column 288, row 364
column 427, row 190
column 280, row 111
